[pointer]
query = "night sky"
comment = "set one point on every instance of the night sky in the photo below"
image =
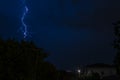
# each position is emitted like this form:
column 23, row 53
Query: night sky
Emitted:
column 74, row 32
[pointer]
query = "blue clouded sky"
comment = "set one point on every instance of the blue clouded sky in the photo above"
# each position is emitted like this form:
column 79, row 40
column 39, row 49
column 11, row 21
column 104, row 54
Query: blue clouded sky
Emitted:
column 73, row 31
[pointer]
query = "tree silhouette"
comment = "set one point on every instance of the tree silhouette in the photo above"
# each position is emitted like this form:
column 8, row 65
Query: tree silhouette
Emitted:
column 22, row 60
column 117, row 46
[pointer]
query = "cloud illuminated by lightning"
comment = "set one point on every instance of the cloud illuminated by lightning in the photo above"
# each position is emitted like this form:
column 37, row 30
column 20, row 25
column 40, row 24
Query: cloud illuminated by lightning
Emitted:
column 24, row 26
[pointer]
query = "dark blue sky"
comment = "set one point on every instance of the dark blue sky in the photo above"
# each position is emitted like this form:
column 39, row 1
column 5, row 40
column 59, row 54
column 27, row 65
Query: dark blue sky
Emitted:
column 73, row 31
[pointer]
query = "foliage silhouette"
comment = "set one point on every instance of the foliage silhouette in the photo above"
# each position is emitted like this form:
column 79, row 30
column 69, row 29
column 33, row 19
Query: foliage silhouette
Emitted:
column 22, row 60
column 117, row 46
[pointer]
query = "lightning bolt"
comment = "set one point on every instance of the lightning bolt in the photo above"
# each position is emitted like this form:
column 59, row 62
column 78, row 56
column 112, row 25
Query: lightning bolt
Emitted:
column 24, row 27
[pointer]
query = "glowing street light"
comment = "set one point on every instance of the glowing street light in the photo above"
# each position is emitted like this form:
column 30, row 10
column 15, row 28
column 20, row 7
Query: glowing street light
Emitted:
column 78, row 70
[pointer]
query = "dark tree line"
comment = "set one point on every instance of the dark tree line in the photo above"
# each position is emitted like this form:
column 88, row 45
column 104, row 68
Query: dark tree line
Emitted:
column 117, row 46
column 22, row 60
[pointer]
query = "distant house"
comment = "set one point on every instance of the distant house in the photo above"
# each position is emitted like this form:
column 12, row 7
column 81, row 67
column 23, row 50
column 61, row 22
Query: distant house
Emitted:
column 102, row 69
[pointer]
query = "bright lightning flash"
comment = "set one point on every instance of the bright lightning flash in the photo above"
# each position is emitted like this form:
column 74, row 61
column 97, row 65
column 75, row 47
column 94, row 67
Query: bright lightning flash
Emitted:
column 25, row 28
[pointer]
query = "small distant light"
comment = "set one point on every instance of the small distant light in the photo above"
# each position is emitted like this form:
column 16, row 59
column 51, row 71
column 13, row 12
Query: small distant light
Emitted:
column 78, row 71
